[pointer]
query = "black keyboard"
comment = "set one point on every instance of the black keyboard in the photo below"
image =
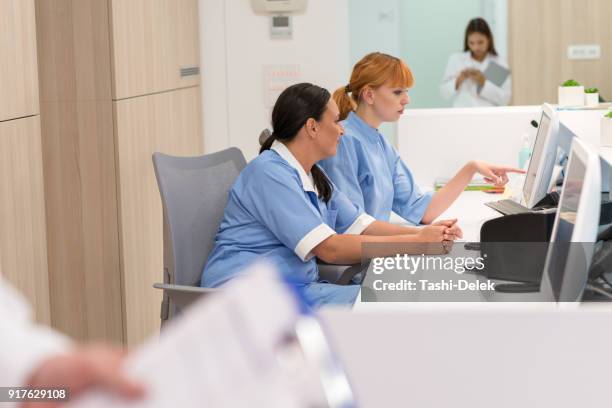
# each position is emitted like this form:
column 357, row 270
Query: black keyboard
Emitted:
column 507, row 207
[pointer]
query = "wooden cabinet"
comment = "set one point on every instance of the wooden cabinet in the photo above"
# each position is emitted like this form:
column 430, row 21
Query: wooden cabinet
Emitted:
column 167, row 122
column 18, row 70
column 23, row 247
column 108, row 101
column 152, row 41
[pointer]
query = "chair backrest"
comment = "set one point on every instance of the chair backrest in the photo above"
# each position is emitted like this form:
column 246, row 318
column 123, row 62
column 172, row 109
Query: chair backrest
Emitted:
column 194, row 192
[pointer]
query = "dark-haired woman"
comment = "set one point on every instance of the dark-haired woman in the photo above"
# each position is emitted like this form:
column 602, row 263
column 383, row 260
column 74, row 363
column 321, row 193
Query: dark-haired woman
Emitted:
column 284, row 208
column 464, row 81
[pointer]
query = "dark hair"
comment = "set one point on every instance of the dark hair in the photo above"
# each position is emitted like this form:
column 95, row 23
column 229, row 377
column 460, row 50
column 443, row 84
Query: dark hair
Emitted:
column 479, row 25
column 292, row 109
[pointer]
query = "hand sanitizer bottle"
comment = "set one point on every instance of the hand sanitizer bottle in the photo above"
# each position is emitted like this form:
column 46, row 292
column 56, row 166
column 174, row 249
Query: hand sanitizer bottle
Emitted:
column 524, row 153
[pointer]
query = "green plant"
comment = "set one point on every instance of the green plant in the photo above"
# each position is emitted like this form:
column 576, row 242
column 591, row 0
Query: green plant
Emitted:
column 608, row 115
column 591, row 90
column 570, row 82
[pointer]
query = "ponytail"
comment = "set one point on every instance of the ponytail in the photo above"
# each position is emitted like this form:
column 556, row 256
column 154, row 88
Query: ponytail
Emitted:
column 346, row 103
column 321, row 183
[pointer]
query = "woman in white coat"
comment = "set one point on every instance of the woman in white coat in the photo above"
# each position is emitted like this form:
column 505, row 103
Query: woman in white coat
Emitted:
column 464, row 81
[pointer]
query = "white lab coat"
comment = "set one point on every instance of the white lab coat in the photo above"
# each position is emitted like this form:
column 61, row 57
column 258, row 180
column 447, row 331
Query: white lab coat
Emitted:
column 468, row 95
column 23, row 344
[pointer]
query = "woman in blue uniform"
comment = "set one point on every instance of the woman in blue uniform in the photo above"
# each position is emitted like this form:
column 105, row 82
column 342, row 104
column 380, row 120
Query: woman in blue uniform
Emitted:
column 284, row 208
column 368, row 169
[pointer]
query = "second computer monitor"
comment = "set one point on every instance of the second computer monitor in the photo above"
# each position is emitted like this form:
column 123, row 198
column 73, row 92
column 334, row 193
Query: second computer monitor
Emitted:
column 575, row 228
column 543, row 158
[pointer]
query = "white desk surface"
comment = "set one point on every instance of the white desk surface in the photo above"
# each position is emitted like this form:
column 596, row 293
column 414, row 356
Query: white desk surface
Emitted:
column 452, row 357
column 471, row 212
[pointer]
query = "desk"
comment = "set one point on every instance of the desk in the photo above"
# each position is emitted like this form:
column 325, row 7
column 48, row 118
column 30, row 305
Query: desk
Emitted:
column 471, row 212
column 531, row 356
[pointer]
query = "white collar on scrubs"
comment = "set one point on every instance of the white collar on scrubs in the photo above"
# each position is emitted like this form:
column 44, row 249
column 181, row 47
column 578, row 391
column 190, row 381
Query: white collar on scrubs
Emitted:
column 286, row 154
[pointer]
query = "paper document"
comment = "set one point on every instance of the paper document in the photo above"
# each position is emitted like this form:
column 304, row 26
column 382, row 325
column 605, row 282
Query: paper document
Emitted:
column 236, row 348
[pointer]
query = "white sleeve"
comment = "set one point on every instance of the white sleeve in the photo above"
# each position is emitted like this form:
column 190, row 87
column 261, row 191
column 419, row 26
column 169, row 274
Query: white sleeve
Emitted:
column 360, row 224
column 447, row 87
column 498, row 95
column 23, row 344
column 311, row 240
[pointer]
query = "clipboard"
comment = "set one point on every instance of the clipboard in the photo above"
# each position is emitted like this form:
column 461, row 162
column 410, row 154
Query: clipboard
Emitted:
column 496, row 73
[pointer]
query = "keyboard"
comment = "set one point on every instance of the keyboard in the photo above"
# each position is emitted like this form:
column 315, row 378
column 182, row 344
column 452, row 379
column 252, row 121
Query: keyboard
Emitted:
column 507, row 207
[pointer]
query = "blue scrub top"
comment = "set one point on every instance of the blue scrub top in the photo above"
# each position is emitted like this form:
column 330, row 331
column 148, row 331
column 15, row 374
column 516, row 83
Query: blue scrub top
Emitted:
column 370, row 172
column 273, row 211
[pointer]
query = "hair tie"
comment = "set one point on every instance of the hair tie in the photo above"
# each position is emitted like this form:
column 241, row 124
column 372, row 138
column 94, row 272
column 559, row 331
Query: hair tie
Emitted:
column 347, row 88
column 264, row 136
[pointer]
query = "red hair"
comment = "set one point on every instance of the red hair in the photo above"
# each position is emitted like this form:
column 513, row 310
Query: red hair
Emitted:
column 373, row 70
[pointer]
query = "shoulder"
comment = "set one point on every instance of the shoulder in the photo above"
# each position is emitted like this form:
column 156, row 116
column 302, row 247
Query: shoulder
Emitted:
column 389, row 149
column 352, row 134
column 267, row 166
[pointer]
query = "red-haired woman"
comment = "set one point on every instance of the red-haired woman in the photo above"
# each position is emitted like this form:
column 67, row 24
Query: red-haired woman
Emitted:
column 367, row 168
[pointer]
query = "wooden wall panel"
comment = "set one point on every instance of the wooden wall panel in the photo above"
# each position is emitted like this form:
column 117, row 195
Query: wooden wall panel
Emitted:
column 540, row 32
column 18, row 67
column 152, row 39
column 97, row 153
column 80, row 176
column 22, row 211
column 167, row 122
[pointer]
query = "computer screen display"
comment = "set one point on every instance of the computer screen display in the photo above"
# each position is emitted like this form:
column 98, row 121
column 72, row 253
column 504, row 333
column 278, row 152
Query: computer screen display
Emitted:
column 536, row 156
column 565, row 256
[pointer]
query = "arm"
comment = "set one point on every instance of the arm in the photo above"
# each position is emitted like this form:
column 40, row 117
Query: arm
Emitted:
column 443, row 198
column 382, row 228
column 498, row 95
column 34, row 356
column 347, row 248
column 24, row 345
column 409, row 201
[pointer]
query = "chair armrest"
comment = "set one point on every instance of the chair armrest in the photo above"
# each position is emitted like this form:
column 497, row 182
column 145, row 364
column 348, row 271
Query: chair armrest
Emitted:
column 182, row 295
column 338, row 274
column 184, row 288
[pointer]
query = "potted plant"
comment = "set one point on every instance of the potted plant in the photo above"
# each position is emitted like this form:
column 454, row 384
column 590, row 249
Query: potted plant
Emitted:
column 571, row 93
column 606, row 130
column 591, row 97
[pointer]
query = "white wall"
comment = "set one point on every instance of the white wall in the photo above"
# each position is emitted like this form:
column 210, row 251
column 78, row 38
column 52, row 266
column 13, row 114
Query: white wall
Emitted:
column 235, row 49
column 375, row 26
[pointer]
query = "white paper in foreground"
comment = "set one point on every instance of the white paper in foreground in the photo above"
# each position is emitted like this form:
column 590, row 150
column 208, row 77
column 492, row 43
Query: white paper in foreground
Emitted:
column 233, row 349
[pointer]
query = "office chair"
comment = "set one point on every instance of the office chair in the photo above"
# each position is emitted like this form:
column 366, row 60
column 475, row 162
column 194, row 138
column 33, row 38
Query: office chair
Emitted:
column 194, row 194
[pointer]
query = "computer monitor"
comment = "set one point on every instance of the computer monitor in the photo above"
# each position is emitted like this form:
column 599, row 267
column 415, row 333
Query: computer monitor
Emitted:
column 575, row 227
column 543, row 158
